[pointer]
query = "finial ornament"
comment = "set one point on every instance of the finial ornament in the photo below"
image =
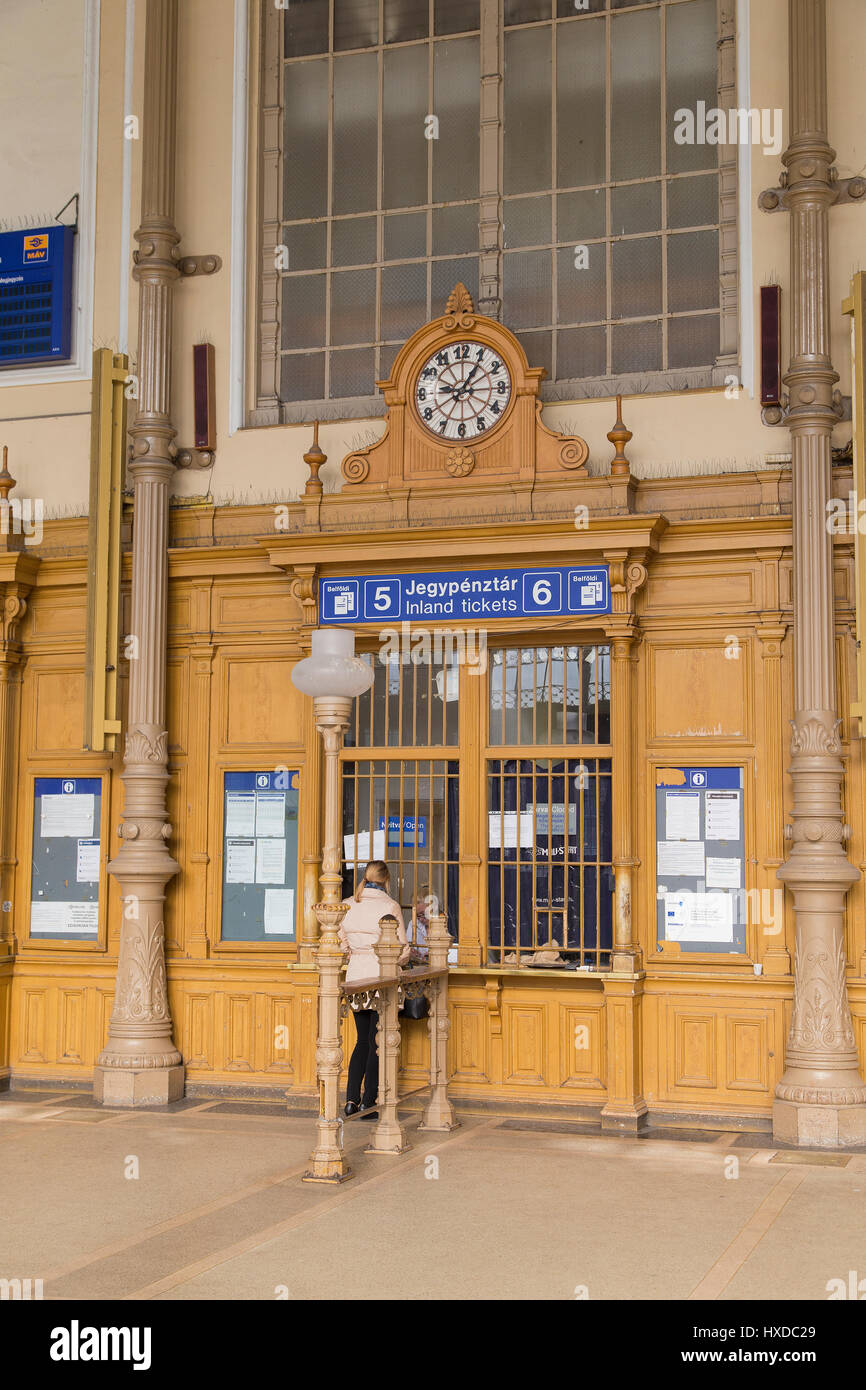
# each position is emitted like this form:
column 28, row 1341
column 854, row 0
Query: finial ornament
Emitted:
column 619, row 436
column 314, row 458
column 7, row 482
column 459, row 300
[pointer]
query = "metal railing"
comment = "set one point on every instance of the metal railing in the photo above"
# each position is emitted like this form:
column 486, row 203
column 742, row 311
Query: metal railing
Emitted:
column 385, row 993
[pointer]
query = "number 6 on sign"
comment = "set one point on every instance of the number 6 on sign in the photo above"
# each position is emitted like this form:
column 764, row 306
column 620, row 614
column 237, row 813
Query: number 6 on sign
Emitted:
column 542, row 593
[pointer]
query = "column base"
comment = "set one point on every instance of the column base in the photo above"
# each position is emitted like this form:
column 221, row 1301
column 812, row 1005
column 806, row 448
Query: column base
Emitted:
column 819, row 1126
column 132, row 1086
column 320, row 1173
column 623, row 1118
column 398, row 1148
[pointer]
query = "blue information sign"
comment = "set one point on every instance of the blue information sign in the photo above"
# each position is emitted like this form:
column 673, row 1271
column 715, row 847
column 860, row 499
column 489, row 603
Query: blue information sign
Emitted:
column 461, row 596
column 411, row 833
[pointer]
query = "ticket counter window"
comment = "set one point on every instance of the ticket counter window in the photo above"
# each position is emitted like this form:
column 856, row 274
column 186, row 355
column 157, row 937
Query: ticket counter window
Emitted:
column 549, row 842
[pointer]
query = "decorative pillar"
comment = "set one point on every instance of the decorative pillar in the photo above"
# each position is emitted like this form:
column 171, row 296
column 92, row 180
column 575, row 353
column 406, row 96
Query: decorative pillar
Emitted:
column 388, row 1135
column 140, row 1064
column 327, row 1161
column 772, row 949
column 821, row 1099
column 439, row 1113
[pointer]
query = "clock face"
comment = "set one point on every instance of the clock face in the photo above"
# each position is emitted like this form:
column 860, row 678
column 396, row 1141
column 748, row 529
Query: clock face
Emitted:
column 462, row 391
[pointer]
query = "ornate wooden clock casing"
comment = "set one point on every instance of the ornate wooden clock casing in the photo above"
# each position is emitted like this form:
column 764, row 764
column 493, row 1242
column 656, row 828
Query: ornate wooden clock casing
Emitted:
column 462, row 399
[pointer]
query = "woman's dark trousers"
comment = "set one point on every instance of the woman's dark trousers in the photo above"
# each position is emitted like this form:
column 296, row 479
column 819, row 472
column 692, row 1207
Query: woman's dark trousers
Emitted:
column 364, row 1062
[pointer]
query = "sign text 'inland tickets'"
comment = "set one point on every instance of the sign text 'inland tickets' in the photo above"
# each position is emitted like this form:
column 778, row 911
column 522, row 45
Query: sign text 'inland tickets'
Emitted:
column 458, row 596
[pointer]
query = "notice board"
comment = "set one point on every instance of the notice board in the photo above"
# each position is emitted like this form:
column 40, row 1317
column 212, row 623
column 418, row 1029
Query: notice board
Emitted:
column 260, row 856
column 64, row 885
column 700, row 858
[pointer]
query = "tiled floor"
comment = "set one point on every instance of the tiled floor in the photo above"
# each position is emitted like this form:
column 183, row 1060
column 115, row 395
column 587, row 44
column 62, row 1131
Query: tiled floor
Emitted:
column 204, row 1201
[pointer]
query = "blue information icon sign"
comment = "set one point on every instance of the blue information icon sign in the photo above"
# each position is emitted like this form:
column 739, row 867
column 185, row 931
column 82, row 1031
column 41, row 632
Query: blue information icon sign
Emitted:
column 465, row 596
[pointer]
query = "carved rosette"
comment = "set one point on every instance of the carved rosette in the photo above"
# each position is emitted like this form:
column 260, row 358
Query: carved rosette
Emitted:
column 460, row 462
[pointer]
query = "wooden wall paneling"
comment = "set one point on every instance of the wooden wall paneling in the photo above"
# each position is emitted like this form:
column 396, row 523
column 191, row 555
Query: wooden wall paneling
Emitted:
column 194, row 1015
column 276, row 1026
column 71, row 1041
column 468, row 1043
column 582, row 1045
column 526, row 1042
column 260, row 708
column 238, row 1030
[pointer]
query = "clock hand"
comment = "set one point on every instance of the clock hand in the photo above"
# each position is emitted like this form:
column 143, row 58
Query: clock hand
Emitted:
column 461, row 391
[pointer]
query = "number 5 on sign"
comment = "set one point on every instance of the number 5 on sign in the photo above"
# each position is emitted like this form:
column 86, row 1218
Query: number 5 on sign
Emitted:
column 382, row 598
column 542, row 592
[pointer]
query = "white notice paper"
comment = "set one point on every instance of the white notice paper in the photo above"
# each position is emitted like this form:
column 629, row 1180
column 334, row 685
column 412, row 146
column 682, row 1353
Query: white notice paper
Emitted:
column 722, row 873
column 699, row 917
column 240, row 814
column 552, row 819
column 503, row 829
column 72, row 919
column 87, row 862
column 67, row 815
column 357, row 850
column 280, row 912
column 270, row 861
column 683, row 858
column 240, row 861
column 723, row 816
column 271, row 813
column 683, row 815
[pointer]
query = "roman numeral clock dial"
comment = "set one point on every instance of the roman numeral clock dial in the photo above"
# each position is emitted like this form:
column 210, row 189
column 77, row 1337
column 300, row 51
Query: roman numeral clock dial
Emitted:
column 462, row 391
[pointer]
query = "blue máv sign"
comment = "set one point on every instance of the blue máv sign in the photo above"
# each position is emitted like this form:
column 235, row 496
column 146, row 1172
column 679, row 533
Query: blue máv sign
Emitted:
column 405, row 834
column 467, row 597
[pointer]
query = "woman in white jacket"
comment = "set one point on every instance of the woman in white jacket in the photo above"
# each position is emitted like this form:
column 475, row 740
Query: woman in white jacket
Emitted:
column 359, row 933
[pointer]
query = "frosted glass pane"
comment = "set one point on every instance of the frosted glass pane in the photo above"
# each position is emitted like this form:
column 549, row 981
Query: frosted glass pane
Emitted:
column 353, row 242
column 528, row 73
column 525, row 11
column 306, row 28
column 693, row 202
column 636, row 347
column 353, row 306
column 405, row 236
column 352, row 373
column 404, row 300
column 693, row 271
column 580, row 83
column 693, row 342
column 303, row 311
column 356, row 23
column 637, row 278
column 527, row 221
column 406, row 19
column 355, row 132
column 539, row 349
column 306, row 246
column 581, row 294
column 455, row 229
column 636, row 98
column 456, row 98
column 581, row 352
column 444, row 275
column 527, row 288
column 387, row 355
column 580, row 215
column 404, row 147
column 636, row 208
column 692, row 76
column 302, row 377
column 305, row 140
column 455, row 16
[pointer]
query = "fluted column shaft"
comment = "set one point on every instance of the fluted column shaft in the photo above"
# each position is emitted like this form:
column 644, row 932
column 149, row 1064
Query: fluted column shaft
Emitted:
column 821, row 1098
column 140, row 1064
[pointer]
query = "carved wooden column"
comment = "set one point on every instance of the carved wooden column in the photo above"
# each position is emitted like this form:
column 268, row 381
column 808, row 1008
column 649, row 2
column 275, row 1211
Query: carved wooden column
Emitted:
column 821, row 1099
column 140, row 1064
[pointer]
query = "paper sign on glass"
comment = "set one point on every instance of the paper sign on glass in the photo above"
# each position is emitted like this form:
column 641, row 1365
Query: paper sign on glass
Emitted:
column 357, row 850
column 270, row 861
column 72, row 919
column 699, row 917
column 87, row 862
column 681, row 858
column 270, row 813
column 722, row 873
column 67, row 815
column 240, row 861
column 279, row 911
column 240, row 814
column 723, row 815
column 683, row 815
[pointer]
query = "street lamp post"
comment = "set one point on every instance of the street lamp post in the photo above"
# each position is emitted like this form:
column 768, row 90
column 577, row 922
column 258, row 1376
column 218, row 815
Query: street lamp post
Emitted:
column 334, row 676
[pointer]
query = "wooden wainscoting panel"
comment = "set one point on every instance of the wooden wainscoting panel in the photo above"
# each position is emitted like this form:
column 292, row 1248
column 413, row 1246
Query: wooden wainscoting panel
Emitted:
column 748, row 1043
column 414, row 1051
column 697, row 692
column 468, row 1044
column 582, row 1047
column 525, row 1034
column 252, row 606
column 260, row 706
column 196, row 1040
column 56, row 613
column 177, row 704
column 688, row 587
column 274, row 1027
column 58, row 710
column 692, row 1050
column 34, row 1044
column 238, row 1029
column 71, row 1025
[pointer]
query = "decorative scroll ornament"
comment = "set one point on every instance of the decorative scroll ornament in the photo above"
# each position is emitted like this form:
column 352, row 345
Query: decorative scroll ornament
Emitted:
column 460, row 462
column 355, row 468
column 574, row 454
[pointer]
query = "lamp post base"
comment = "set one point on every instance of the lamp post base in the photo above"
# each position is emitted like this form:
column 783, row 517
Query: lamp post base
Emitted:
column 819, row 1126
column 132, row 1087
